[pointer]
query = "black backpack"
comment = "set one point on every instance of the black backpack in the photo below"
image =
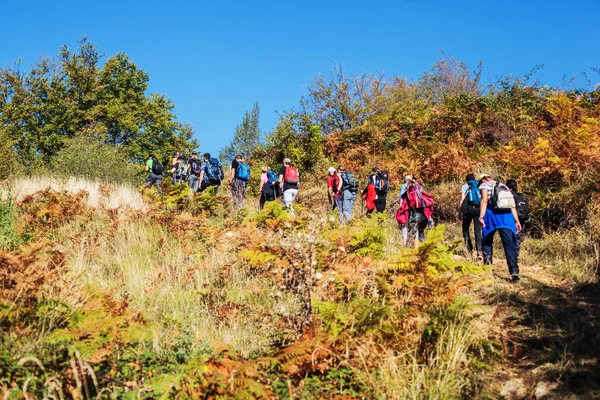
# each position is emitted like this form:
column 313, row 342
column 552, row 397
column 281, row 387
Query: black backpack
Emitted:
column 157, row 167
column 382, row 186
column 522, row 206
column 194, row 164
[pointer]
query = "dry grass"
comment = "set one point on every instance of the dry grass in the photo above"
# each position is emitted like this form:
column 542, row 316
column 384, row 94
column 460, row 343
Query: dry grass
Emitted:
column 99, row 195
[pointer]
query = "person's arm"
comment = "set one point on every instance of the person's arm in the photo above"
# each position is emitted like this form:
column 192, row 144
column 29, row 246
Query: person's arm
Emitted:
column 231, row 173
column 340, row 182
column 147, row 167
column 483, row 206
column 514, row 213
column 201, row 177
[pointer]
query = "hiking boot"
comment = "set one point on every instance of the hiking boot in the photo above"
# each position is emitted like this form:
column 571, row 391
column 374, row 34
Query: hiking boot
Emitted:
column 515, row 277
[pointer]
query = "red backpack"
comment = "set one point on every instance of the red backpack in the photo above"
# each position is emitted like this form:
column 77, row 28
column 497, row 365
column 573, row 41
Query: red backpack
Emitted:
column 415, row 197
column 291, row 175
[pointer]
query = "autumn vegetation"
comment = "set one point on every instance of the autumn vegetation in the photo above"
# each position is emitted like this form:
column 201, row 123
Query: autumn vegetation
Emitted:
column 110, row 291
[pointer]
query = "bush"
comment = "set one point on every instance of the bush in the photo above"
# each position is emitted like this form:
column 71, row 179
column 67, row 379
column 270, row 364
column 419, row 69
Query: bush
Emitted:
column 89, row 158
column 9, row 237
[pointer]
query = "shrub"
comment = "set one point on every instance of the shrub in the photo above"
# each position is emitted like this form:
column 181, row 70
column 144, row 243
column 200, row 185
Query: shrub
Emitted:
column 87, row 157
column 9, row 237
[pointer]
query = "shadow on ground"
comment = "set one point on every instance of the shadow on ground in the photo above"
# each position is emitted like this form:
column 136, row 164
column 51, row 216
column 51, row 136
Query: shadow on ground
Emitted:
column 550, row 334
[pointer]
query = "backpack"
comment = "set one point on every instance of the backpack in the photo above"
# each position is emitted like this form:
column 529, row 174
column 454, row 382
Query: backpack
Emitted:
column 194, row 167
column 522, row 206
column 272, row 178
column 215, row 171
column 243, row 171
column 181, row 172
column 157, row 167
column 291, row 175
column 473, row 193
column 350, row 182
column 503, row 198
column 414, row 197
column 382, row 184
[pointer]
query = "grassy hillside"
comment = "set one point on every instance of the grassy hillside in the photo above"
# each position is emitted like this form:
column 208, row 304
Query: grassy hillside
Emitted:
column 183, row 298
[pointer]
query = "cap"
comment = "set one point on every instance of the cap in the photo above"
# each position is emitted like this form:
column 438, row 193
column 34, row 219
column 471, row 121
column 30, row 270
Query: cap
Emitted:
column 408, row 178
column 483, row 176
column 330, row 170
column 287, row 160
column 375, row 169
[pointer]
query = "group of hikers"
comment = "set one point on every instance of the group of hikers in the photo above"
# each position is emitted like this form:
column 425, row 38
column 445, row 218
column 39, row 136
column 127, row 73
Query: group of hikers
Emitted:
column 486, row 204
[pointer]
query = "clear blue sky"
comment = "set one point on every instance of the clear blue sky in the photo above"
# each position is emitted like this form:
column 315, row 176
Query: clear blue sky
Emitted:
column 214, row 59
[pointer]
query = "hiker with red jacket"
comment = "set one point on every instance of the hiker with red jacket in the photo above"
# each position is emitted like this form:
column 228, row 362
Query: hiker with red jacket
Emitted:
column 416, row 209
column 288, row 181
column 334, row 187
column 375, row 194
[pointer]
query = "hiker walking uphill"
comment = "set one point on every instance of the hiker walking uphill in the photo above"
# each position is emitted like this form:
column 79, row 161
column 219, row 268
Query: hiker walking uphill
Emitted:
column 334, row 189
column 194, row 172
column 416, row 210
column 239, row 174
column 156, row 170
column 375, row 194
column 331, row 174
column 349, row 188
column 407, row 180
column 174, row 162
column 470, row 202
column 498, row 213
column 211, row 173
column 180, row 170
column 269, row 189
column 522, row 206
column 288, row 181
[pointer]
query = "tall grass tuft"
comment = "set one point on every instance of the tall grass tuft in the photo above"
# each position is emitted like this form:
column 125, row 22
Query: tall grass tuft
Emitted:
column 9, row 237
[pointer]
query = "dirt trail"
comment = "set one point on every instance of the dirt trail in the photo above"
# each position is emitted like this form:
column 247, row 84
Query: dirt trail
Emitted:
column 549, row 331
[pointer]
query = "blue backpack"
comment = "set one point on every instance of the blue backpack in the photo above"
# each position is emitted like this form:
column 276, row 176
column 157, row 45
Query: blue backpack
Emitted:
column 243, row 171
column 473, row 193
column 273, row 178
column 215, row 171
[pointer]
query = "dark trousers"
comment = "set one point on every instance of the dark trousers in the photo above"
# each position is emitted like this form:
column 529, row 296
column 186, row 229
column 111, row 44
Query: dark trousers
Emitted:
column 417, row 223
column 380, row 203
column 466, row 227
column 509, row 243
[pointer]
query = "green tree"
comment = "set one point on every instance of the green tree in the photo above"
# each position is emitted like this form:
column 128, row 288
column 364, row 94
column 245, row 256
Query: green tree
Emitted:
column 74, row 95
column 247, row 136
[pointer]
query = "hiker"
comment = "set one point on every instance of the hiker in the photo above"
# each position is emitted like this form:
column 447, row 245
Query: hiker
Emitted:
column 522, row 211
column 269, row 187
column 331, row 172
column 174, row 161
column 368, row 193
column 498, row 213
column 179, row 170
column 211, row 173
column 334, row 190
column 155, row 176
column 348, row 188
column 239, row 174
column 470, row 202
column 416, row 210
column 375, row 194
column 407, row 180
column 288, row 181
column 194, row 172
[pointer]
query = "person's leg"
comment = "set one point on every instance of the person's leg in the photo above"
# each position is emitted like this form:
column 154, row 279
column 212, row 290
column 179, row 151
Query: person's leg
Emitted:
column 487, row 247
column 348, row 204
column 478, row 234
column 466, row 225
column 404, row 234
column 509, row 242
column 422, row 225
column 338, row 202
column 216, row 189
column 380, row 204
column 520, row 238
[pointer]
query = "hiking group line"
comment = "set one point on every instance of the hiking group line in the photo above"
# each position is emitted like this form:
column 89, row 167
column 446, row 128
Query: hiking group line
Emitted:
column 490, row 206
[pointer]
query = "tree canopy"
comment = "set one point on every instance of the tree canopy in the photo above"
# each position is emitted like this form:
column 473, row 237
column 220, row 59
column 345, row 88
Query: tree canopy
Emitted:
column 74, row 94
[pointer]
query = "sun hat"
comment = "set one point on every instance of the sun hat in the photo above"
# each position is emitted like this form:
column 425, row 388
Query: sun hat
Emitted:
column 408, row 178
column 330, row 170
column 287, row 160
column 483, row 176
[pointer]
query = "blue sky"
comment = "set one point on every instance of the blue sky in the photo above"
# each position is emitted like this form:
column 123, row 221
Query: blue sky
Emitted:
column 214, row 60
